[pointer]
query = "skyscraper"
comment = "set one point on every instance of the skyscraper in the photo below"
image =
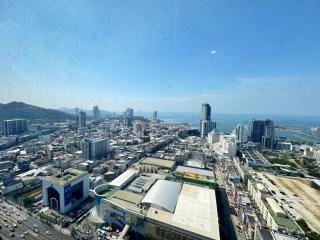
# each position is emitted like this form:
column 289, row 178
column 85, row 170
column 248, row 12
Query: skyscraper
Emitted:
column 129, row 113
column 96, row 113
column 263, row 131
column 241, row 133
column 127, row 118
column 154, row 117
column 269, row 128
column 76, row 111
column 268, row 137
column 82, row 119
column 206, row 125
column 206, row 112
column 14, row 126
column 257, row 130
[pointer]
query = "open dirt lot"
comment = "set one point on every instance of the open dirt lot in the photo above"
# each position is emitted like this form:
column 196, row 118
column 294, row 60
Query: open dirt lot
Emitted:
column 304, row 199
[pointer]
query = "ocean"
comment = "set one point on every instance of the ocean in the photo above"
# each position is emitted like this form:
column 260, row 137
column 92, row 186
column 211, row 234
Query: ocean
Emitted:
column 227, row 122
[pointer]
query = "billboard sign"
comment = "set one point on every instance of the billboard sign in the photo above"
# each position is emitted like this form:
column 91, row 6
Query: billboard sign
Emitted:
column 7, row 179
column 67, row 195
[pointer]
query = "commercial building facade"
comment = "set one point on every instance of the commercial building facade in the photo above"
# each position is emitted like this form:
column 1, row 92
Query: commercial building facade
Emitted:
column 159, row 209
column 66, row 190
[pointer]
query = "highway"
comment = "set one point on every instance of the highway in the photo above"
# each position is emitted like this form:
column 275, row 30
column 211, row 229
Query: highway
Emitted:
column 7, row 223
column 27, row 224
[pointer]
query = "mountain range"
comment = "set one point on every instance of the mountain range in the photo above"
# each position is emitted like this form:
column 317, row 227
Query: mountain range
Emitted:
column 22, row 110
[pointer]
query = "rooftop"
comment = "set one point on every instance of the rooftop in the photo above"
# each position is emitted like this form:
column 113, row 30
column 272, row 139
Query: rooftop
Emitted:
column 128, row 200
column 195, row 212
column 285, row 222
column 158, row 162
column 183, row 169
column 124, row 178
column 141, row 184
column 163, row 195
column 66, row 177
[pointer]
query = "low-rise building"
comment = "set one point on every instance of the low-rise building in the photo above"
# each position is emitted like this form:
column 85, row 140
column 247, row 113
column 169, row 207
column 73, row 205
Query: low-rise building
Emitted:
column 66, row 190
column 277, row 219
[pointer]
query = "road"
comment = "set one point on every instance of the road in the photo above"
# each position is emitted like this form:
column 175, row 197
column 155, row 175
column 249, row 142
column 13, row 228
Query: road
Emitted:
column 230, row 220
column 5, row 231
column 227, row 230
column 27, row 224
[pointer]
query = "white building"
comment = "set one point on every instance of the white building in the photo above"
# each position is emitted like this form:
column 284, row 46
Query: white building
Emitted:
column 241, row 132
column 214, row 137
column 65, row 190
column 162, row 210
column 316, row 155
column 307, row 150
column 226, row 146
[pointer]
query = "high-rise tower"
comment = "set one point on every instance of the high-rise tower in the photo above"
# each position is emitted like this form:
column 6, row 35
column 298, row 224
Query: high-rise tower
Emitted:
column 82, row 119
column 154, row 117
column 96, row 113
column 206, row 125
column 206, row 112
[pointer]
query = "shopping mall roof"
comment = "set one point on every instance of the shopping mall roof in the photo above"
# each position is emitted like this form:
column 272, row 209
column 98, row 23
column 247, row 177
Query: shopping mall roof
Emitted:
column 127, row 200
column 124, row 178
column 142, row 184
column 159, row 162
column 163, row 195
column 195, row 212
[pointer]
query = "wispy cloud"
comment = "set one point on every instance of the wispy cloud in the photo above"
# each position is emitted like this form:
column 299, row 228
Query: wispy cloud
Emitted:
column 213, row 52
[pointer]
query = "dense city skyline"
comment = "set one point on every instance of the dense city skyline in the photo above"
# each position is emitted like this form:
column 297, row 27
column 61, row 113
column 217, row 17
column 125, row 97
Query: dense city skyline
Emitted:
column 157, row 120
column 168, row 56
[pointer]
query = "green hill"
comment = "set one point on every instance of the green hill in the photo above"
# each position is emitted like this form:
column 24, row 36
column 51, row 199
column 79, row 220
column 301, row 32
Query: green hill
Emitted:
column 22, row 110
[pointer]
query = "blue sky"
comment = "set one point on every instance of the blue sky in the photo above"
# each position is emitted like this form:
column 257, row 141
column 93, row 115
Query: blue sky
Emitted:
column 240, row 56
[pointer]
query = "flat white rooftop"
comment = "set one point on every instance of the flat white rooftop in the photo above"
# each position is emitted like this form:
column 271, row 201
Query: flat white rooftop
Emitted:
column 124, row 178
column 196, row 212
